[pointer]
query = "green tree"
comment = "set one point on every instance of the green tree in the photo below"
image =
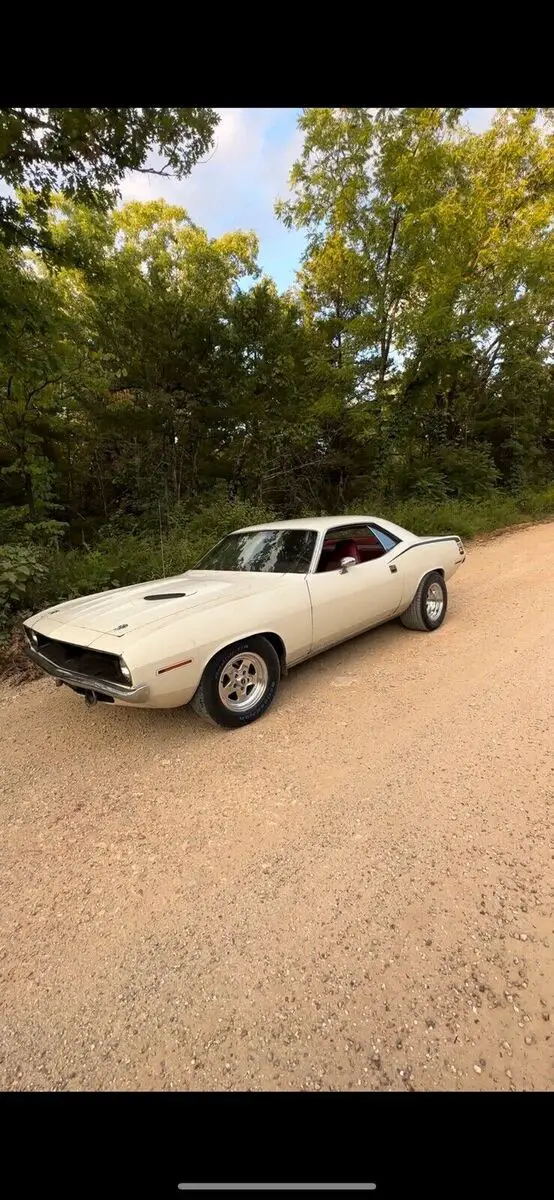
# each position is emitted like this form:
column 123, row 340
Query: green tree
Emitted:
column 429, row 263
column 270, row 449
column 154, row 302
column 147, row 370
column 83, row 153
column 44, row 364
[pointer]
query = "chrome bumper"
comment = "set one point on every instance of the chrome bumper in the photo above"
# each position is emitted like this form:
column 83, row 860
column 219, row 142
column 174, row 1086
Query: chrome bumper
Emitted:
column 131, row 695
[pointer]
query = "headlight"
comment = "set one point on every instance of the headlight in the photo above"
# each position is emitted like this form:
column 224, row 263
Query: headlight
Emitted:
column 31, row 637
column 125, row 671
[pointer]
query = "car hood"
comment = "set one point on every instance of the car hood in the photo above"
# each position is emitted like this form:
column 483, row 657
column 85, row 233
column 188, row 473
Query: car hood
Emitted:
column 121, row 611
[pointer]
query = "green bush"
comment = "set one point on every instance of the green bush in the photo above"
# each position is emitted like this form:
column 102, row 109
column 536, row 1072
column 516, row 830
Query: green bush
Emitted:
column 112, row 563
column 22, row 574
column 119, row 558
column 539, row 504
column 453, row 472
column 466, row 517
column 472, row 516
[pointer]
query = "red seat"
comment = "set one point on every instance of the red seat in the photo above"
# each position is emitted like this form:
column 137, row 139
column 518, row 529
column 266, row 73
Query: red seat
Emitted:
column 345, row 549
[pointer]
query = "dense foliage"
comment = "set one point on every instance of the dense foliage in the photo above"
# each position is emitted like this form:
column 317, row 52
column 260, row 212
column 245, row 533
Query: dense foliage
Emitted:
column 84, row 152
column 156, row 389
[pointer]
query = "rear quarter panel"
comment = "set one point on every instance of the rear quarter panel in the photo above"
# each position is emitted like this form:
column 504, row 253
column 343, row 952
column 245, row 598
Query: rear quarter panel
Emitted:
column 422, row 557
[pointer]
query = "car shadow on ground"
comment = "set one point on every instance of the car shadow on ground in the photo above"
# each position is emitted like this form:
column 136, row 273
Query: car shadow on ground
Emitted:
column 340, row 661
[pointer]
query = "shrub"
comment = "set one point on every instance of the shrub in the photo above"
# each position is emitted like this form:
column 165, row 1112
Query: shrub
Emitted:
column 466, row 517
column 121, row 558
column 22, row 573
column 539, row 504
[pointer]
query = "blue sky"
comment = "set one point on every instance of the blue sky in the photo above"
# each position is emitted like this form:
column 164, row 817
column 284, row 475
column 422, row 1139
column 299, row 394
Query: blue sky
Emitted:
column 237, row 187
column 246, row 172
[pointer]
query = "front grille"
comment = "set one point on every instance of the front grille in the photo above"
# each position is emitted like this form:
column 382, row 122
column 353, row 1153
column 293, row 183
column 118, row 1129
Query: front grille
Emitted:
column 94, row 663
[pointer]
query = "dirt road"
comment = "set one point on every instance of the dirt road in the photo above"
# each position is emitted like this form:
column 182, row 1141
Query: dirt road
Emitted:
column 355, row 892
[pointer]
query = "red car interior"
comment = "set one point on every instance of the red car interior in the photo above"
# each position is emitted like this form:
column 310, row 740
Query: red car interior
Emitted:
column 344, row 549
column 364, row 548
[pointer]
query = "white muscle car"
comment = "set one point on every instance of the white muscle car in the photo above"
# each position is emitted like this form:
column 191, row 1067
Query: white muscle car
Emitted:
column 265, row 598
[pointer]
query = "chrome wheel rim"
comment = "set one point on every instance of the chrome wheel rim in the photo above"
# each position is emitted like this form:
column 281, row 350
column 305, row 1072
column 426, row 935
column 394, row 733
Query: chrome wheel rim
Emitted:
column 243, row 682
column 434, row 602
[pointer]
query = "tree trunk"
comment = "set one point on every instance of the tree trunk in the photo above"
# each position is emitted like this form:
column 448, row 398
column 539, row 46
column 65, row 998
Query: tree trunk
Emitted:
column 30, row 495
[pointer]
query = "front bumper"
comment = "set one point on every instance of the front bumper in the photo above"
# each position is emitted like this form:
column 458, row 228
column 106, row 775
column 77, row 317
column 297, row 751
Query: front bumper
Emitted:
column 118, row 691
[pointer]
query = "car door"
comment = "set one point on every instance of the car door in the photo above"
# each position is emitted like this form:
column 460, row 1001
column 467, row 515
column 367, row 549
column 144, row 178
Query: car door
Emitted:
column 347, row 602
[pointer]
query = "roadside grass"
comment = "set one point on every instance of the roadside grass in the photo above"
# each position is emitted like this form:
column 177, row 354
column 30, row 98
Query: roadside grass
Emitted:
column 472, row 517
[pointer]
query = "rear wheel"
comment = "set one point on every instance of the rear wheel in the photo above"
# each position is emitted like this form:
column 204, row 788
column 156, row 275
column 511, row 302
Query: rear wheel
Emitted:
column 428, row 608
column 239, row 683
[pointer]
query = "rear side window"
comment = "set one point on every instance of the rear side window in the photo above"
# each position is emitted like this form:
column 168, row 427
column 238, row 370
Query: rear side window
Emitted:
column 387, row 540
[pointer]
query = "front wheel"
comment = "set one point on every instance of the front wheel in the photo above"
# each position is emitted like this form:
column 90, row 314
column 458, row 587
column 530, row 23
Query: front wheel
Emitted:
column 428, row 608
column 239, row 683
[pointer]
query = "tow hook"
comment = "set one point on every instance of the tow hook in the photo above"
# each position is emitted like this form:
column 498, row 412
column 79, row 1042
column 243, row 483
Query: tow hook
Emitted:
column 91, row 698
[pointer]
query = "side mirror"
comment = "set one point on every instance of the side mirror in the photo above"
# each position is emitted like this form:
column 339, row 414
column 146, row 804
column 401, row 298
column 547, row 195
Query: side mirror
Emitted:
column 345, row 563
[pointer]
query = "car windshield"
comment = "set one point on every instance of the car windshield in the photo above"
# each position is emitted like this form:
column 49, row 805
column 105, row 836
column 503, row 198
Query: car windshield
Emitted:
column 288, row 551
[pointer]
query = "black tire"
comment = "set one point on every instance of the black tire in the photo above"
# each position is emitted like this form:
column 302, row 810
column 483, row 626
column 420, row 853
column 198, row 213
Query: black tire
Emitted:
column 207, row 702
column 418, row 616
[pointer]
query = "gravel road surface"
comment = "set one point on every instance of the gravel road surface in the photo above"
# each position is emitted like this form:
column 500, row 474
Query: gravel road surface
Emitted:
column 356, row 892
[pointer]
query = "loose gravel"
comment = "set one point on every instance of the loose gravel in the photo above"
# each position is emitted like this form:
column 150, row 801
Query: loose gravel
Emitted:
column 353, row 893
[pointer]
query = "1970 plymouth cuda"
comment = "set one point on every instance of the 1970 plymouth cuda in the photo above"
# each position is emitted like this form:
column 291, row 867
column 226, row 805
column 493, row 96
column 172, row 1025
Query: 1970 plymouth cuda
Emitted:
column 265, row 598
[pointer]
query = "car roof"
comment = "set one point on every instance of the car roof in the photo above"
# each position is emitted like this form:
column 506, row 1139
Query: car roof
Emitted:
column 321, row 524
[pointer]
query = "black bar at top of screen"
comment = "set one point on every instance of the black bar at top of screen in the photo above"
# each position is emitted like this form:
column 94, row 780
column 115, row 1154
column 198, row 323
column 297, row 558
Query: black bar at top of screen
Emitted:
column 277, row 1187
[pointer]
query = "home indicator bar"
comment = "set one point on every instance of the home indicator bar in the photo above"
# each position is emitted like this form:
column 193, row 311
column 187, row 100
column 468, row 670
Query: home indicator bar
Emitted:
column 277, row 1187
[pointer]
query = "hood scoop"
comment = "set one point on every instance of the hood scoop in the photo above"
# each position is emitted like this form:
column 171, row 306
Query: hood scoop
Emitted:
column 167, row 595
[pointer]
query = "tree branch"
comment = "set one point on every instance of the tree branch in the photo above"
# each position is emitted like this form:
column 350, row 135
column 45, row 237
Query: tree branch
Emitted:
column 386, row 327
column 40, row 388
column 154, row 171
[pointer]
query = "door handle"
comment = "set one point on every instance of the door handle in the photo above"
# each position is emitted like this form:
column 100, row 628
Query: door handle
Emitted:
column 393, row 570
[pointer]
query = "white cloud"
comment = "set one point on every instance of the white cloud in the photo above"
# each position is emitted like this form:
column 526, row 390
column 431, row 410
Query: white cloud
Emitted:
column 238, row 183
